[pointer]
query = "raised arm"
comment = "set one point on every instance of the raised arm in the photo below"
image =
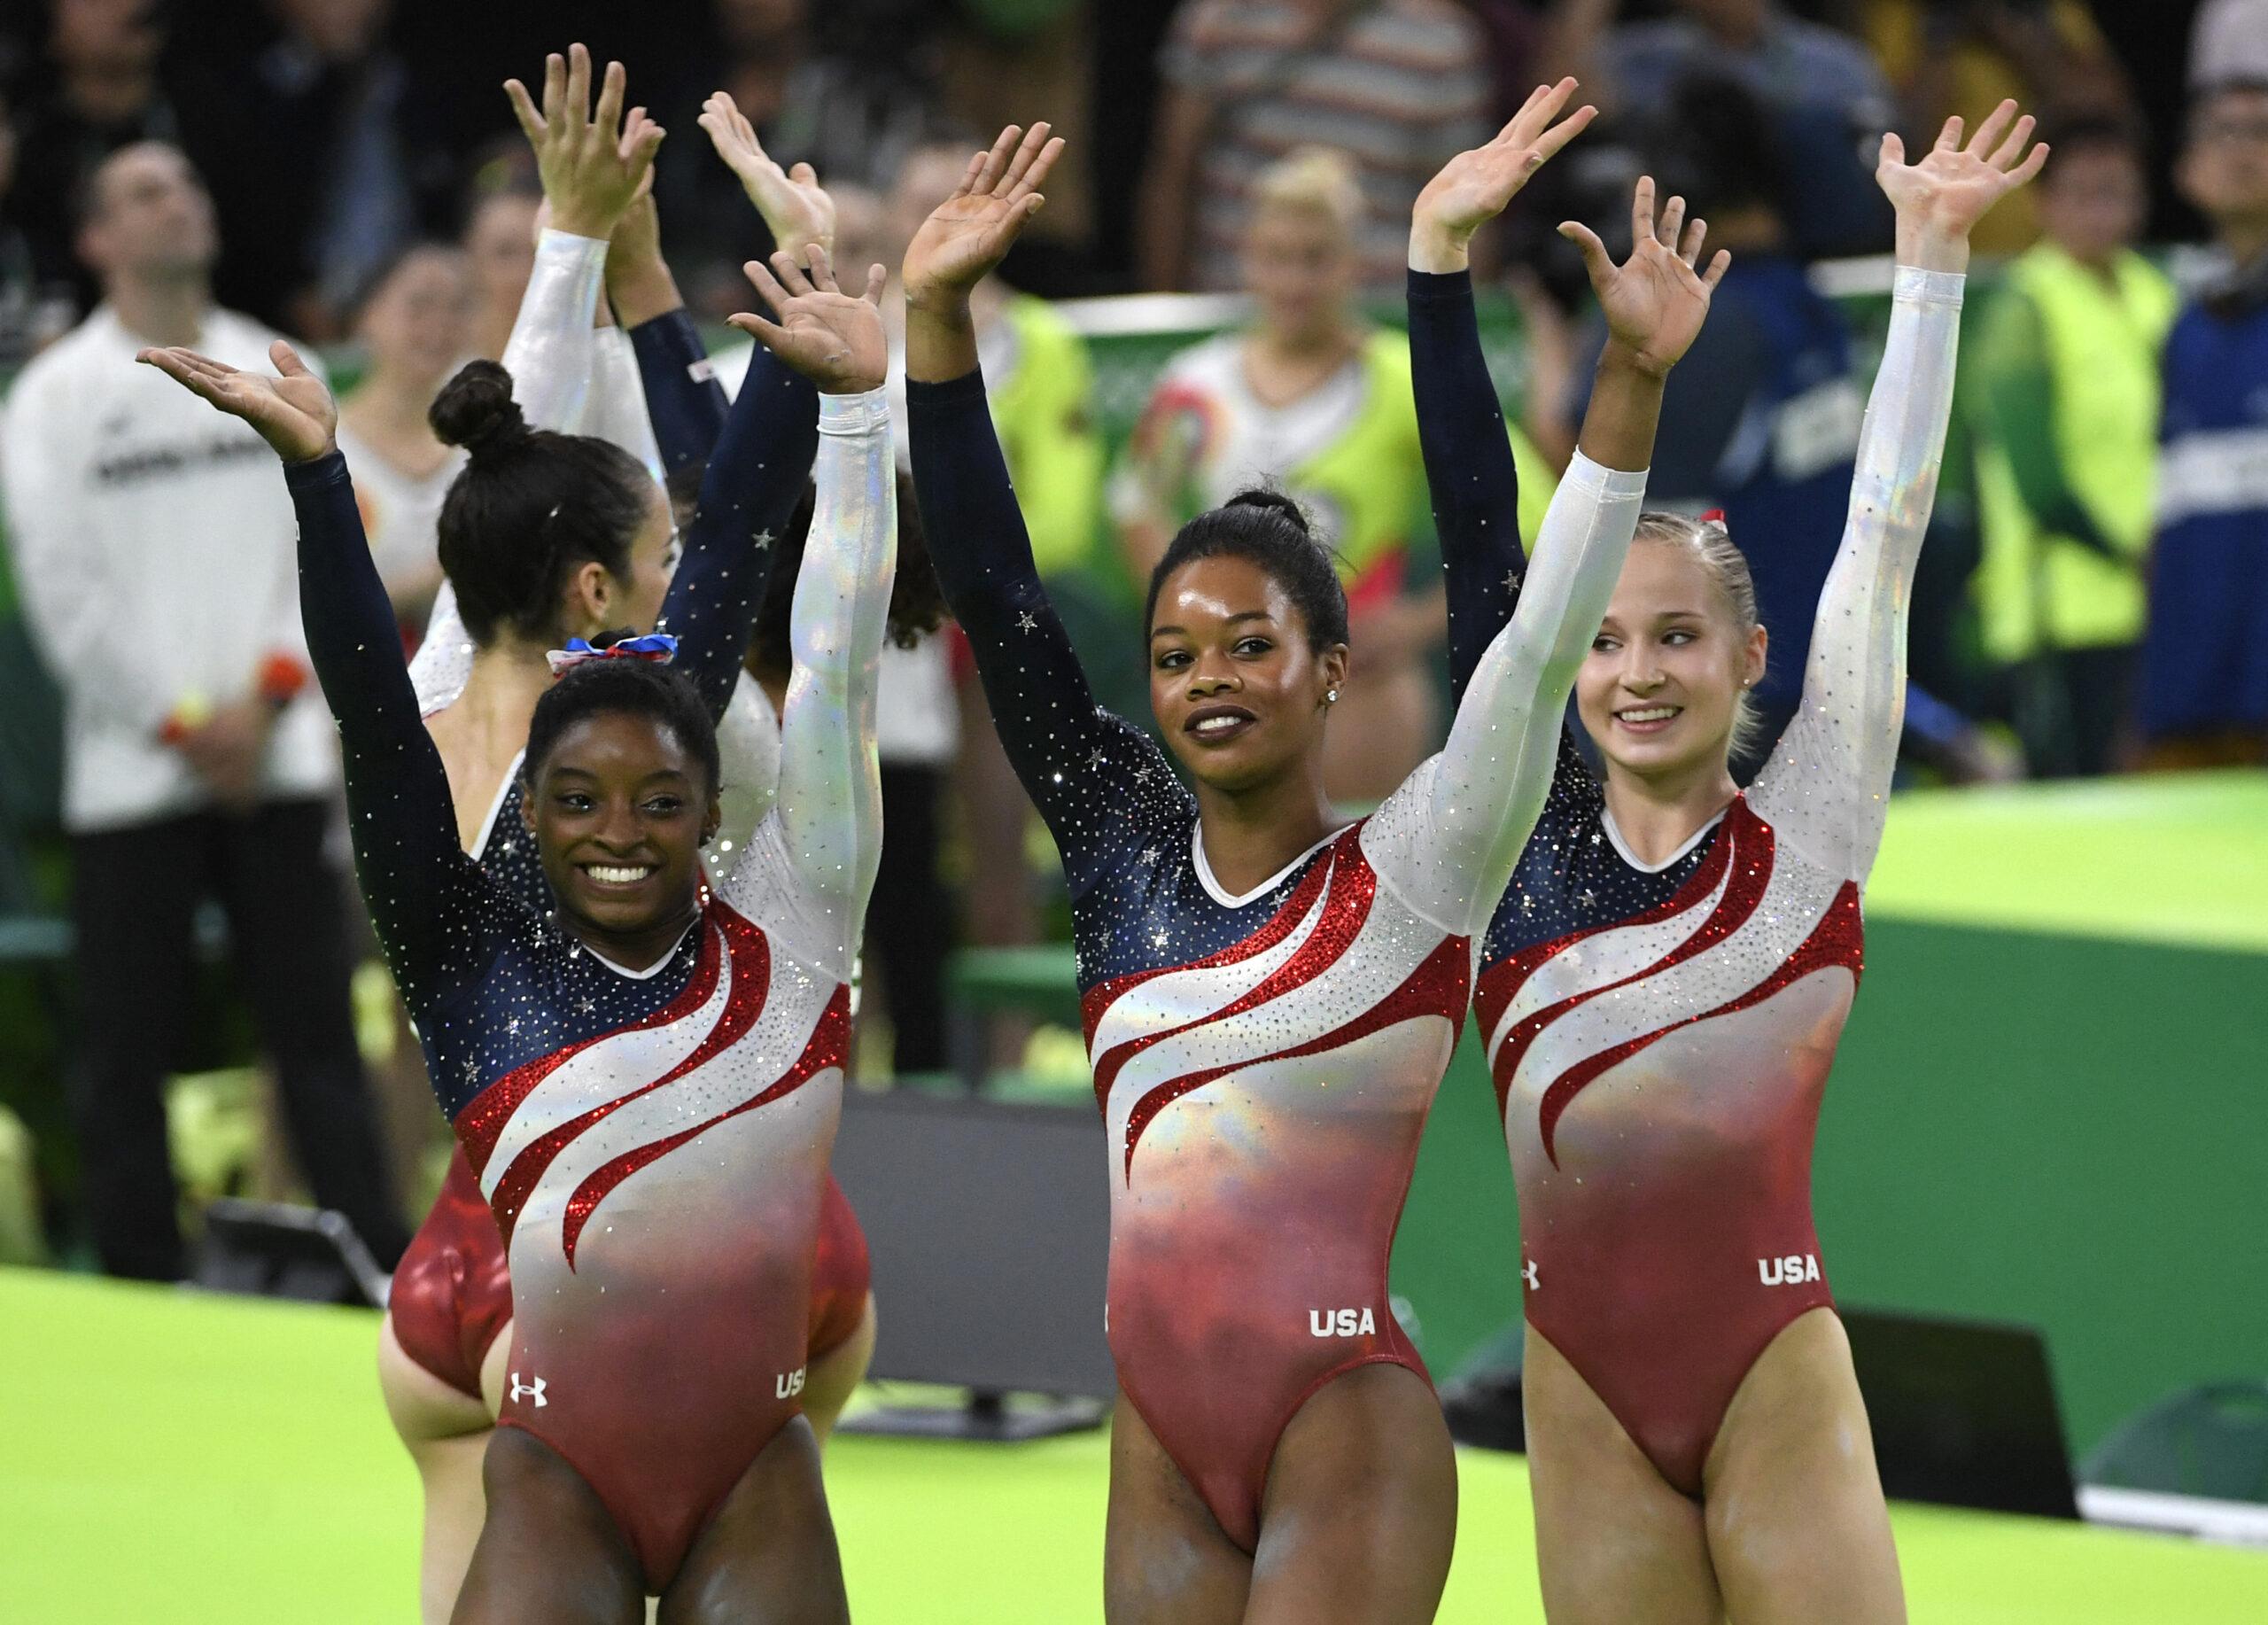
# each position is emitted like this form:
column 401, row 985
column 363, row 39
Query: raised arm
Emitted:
column 1078, row 763
column 1449, row 837
column 429, row 901
column 1467, row 448
column 1826, row 785
column 828, row 820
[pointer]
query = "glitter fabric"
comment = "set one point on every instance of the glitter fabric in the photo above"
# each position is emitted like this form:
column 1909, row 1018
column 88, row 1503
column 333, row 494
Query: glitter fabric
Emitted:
column 1660, row 1035
column 1263, row 1063
column 452, row 1294
column 656, row 1141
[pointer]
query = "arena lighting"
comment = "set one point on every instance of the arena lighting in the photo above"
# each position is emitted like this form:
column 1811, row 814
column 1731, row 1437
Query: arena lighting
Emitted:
column 276, row 1250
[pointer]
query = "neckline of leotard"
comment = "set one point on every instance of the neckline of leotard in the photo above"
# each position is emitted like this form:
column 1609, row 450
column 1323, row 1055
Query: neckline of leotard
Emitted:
column 1622, row 847
column 1220, row 894
column 655, row 969
column 496, row 808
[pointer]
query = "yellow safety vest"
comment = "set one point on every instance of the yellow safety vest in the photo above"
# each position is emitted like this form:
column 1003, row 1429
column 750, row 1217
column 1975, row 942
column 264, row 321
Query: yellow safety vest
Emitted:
column 2038, row 590
column 1042, row 411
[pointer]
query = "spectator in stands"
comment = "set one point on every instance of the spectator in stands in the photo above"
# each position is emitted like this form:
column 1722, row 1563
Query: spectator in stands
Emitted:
column 2064, row 398
column 2229, row 40
column 500, row 232
column 35, row 307
column 155, row 552
column 1313, row 399
column 1965, row 57
column 2204, row 699
column 414, row 322
column 1401, row 85
column 293, row 109
column 1821, row 88
column 846, row 93
column 98, row 90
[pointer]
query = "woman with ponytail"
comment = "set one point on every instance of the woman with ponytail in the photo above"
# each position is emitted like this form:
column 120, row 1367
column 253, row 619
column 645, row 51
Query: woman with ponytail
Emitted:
column 1270, row 993
column 1663, row 985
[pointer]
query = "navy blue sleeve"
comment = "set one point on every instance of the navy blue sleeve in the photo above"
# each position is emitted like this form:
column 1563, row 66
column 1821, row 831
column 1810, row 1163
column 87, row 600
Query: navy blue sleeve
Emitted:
column 1469, row 469
column 1090, row 774
column 755, row 477
column 428, row 900
column 683, row 398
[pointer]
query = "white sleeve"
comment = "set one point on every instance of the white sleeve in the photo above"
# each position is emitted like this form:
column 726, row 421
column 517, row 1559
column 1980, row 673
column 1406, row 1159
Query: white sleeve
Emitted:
column 812, row 870
column 1448, row 839
column 61, row 571
column 554, row 346
column 551, row 356
column 616, row 407
column 1826, row 787
column 748, row 743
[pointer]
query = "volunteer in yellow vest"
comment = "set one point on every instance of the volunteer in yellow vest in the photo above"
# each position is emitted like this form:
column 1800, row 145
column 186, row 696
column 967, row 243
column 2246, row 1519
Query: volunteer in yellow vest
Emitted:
column 2066, row 410
column 1313, row 399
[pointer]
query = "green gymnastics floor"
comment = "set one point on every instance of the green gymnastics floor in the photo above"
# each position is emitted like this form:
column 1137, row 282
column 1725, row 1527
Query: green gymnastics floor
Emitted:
column 170, row 1457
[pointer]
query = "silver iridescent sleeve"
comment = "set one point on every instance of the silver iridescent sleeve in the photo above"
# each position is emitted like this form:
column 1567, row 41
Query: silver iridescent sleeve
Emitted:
column 1449, row 838
column 1826, row 787
column 825, row 828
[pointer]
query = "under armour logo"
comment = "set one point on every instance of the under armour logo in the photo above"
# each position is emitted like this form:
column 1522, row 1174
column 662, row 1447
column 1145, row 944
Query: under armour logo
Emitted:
column 1527, row 1274
column 529, row 1390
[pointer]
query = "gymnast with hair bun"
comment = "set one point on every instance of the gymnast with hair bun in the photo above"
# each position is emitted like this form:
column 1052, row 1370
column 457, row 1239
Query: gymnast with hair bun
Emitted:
column 1271, row 993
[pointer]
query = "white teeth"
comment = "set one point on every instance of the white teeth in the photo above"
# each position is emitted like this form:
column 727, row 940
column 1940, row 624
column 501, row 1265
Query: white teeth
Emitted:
column 1657, row 713
column 608, row 875
column 1218, row 725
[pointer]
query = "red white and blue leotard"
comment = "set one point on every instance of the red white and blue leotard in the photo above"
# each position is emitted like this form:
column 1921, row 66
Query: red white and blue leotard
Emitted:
column 1660, row 1035
column 1264, row 1063
column 653, row 1144
column 452, row 1291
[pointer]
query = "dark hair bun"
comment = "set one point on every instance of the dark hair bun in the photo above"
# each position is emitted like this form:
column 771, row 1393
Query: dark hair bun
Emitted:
column 475, row 409
column 1275, row 502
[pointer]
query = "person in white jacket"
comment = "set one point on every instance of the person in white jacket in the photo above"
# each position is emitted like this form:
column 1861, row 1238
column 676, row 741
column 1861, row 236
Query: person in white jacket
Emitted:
column 155, row 558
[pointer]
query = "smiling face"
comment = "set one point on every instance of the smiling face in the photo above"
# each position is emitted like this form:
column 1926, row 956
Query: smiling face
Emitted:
column 1237, row 686
column 1662, row 684
column 620, row 809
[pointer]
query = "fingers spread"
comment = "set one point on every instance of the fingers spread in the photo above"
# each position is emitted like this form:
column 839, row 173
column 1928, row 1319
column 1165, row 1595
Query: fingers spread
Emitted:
column 1696, row 235
column 1988, row 133
column 1560, row 134
column 524, row 110
column 790, row 274
column 2030, row 166
column 770, row 335
column 1027, row 158
column 822, row 268
column 1893, row 149
column 1595, row 259
column 1949, row 137
column 995, row 162
column 2005, row 156
column 287, row 362
column 554, row 88
column 577, row 111
column 877, row 278
column 1671, row 223
column 766, row 285
column 1642, row 209
column 1718, row 267
column 611, row 94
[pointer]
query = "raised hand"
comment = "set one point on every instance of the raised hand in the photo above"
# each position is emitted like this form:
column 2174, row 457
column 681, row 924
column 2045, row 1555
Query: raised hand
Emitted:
column 970, row 232
column 1940, row 200
column 796, row 208
column 1656, row 301
column 293, row 412
column 833, row 338
column 594, row 161
column 1474, row 187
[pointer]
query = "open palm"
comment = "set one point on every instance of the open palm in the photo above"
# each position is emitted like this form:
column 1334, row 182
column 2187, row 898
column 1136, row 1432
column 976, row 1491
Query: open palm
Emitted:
column 795, row 206
column 594, row 162
column 1655, row 301
column 294, row 412
column 1955, row 186
column 970, row 232
column 1473, row 187
column 832, row 338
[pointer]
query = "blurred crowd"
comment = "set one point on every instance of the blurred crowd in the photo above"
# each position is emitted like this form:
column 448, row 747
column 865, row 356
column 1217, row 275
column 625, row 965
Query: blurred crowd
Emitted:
column 2095, row 596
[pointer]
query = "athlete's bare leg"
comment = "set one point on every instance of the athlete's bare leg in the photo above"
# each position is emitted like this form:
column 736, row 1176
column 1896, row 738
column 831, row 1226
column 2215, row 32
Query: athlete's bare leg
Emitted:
column 833, row 1376
column 1360, row 1513
column 1796, row 1524
column 446, row 1433
column 550, row 1554
column 1165, row 1559
column 768, row 1556
column 1615, row 1544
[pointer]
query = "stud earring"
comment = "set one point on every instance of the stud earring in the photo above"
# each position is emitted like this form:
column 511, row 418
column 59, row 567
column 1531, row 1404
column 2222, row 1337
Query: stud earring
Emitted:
column 1331, row 697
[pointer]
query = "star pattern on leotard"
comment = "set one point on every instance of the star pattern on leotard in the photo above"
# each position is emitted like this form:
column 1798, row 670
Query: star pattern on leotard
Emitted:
column 1512, row 581
column 1026, row 621
column 764, row 539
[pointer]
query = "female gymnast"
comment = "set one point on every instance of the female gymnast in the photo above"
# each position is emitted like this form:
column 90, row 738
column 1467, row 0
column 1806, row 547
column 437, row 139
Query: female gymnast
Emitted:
column 1664, row 982
column 645, row 1079
column 442, row 1349
column 1271, row 995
